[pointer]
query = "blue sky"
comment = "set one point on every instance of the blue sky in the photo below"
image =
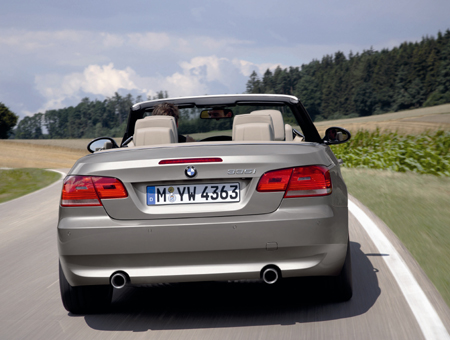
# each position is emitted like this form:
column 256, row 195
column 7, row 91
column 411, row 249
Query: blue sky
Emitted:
column 53, row 53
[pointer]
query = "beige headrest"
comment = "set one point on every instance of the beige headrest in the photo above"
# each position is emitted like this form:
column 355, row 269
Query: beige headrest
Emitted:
column 253, row 128
column 278, row 122
column 153, row 130
column 288, row 133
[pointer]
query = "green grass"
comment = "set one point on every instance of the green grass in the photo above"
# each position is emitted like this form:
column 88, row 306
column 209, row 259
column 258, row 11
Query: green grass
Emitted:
column 18, row 182
column 424, row 153
column 417, row 209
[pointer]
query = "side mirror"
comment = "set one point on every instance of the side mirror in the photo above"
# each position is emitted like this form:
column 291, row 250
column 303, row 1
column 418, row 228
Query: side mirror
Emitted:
column 336, row 135
column 216, row 114
column 101, row 143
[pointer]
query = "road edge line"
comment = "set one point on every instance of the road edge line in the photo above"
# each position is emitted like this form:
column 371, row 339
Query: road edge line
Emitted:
column 428, row 319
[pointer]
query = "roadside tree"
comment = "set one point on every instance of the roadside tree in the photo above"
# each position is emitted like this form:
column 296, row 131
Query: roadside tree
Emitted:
column 7, row 121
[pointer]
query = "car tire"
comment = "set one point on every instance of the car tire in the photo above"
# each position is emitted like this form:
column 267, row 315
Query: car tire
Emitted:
column 342, row 284
column 84, row 299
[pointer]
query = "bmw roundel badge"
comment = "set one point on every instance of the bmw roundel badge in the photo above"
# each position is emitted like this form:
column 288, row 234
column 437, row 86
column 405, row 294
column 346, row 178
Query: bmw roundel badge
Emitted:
column 190, row 171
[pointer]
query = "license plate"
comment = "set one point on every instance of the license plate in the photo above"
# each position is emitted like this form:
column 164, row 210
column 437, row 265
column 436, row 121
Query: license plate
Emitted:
column 188, row 194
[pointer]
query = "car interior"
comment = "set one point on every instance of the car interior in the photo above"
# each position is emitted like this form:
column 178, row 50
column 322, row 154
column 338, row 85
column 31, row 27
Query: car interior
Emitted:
column 256, row 126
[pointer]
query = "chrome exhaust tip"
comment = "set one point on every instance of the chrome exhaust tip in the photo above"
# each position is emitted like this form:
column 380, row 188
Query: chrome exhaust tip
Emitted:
column 119, row 280
column 270, row 275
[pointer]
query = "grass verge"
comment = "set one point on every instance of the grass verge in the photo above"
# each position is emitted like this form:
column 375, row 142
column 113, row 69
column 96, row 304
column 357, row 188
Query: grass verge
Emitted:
column 416, row 209
column 18, row 182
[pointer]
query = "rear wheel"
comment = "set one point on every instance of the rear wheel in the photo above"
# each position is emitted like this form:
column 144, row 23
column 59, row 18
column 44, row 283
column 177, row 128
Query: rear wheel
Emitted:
column 342, row 284
column 84, row 299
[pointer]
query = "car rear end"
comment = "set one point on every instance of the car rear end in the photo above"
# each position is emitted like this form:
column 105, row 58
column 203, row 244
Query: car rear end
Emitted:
column 203, row 212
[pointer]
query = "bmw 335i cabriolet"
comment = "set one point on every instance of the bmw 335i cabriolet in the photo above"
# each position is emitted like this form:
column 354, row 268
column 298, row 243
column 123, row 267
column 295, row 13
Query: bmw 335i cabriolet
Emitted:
column 226, row 187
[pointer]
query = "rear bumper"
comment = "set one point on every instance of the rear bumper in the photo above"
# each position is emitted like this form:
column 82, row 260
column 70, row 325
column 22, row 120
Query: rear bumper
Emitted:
column 306, row 241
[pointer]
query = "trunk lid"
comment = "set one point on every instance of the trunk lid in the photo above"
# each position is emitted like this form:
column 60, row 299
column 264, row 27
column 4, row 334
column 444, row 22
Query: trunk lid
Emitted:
column 242, row 165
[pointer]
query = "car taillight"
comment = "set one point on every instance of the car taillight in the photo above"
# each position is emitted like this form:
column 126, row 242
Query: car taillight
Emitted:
column 108, row 187
column 86, row 191
column 303, row 181
column 275, row 180
column 309, row 181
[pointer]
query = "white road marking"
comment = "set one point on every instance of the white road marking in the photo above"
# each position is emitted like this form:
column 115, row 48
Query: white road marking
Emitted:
column 429, row 321
column 63, row 174
column 52, row 284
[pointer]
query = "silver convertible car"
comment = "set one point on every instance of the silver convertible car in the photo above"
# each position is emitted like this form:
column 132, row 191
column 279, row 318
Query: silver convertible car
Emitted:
column 208, row 188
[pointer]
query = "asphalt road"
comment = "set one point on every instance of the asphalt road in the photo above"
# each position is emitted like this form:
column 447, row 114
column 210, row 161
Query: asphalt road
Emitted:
column 30, row 305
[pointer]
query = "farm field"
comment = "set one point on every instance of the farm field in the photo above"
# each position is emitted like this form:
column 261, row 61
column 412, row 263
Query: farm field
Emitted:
column 14, row 154
column 410, row 122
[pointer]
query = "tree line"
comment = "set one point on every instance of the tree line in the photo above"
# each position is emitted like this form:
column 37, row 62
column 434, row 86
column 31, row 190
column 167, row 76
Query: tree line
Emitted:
column 88, row 119
column 372, row 82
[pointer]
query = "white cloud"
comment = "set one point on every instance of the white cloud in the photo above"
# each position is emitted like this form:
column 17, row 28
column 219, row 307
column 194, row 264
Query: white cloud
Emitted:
column 106, row 80
column 41, row 40
column 70, row 41
column 95, row 42
column 198, row 76
column 112, row 40
column 248, row 67
column 230, row 73
column 97, row 80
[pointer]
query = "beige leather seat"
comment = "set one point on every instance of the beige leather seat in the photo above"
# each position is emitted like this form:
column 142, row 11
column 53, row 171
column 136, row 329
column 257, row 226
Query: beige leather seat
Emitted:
column 153, row 130
column 253, row 128
column 277, row 119
column 288, row 133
